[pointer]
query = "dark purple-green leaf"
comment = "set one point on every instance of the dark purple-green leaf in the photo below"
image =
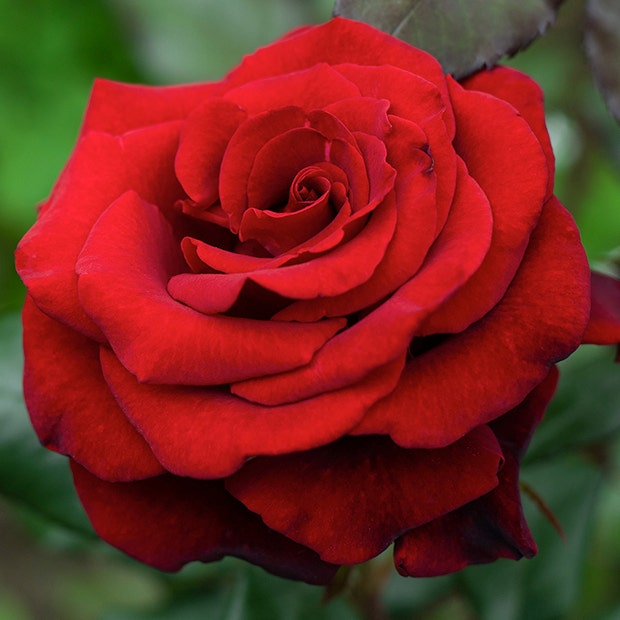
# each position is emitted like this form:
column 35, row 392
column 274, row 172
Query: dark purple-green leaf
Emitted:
column 464, row 35
column 602, row 42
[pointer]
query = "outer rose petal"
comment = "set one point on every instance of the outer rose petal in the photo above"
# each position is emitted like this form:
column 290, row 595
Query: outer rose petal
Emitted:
column 208, row 433
column 359, row 494
column 340, row 41
column 502, row 154
column 491, row 527
column 604, row 325
column 116, row 108
column 46, row 256
column 168, row 521
column 474, row 377
column 259, row 95
column 124, row 268
column 71, row 407
column 526, row 96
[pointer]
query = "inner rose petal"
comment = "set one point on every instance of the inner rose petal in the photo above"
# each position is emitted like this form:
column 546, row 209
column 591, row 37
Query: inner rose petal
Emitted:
column 313, row 202
column 279, row 161
column 203, row 141
column 240, row 155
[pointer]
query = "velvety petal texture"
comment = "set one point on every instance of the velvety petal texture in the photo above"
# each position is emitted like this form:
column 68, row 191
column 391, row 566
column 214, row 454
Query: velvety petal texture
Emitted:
column 307, row 311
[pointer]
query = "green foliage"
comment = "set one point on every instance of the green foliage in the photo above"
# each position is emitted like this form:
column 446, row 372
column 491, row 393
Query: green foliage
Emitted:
column 29, row 475
column 602, row 40
column 464, row 35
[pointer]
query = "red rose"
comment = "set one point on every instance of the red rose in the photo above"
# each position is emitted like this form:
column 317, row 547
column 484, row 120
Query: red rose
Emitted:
column 304, row 312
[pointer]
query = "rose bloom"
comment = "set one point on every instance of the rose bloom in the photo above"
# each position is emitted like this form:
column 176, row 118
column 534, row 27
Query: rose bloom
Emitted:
column 308, row 311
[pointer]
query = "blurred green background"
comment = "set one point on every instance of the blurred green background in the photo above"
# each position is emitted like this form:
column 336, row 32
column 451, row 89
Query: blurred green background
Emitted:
column 51, row 565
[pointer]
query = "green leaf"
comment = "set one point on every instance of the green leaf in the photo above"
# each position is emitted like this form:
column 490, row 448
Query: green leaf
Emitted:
column 235, row 590
column 548, row 586
column 215, row 34
column 29, row 474
column 464, row 35
column 585, row 410
column 602, row 43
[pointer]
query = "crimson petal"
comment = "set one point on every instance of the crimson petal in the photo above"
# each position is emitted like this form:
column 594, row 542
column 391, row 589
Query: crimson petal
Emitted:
column 361, row 493
column 117, row 108
column 204, row 138
column 499, row 170
column 354, row 352
column 167, row 522
column 70, row 405
column 488, row 528
column 476, row 376
column 280, row 91
column 604, row 324
column 123, row 272
column 209, row 433
column 341, row 41
column 526, row 96
column 45, row 258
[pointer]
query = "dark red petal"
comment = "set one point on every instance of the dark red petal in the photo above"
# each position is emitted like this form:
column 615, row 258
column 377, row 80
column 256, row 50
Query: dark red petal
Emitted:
column 70, row 405
column 476, row 376
column 209, row 433
column 415, row 195
column 418, row 101
column 526, row 96
column 310, row 89
column 604, row 325
column 386, row 332
column 167, row 522
column 506, row 159
column 116, row 108
column 124, row 269
column 279, row 231
column 339, row 270
column 277, row 163
column 101, row 169
column 488, row 528
column 365, row 114
column 358, row 494
column 241, row 152
column 204, row 139
column 340, row 41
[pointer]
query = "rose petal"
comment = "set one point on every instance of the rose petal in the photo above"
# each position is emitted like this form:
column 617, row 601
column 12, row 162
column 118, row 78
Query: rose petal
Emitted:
column 415, row 195
column 526, row 96
column 70, row 405
column 342, row 269
column 604, row 324
column 241, row 152
column 46, row 256
column 474, row 377
column 387, row 331
column 499, row 168
column 414, row 99
column 117, row 108
column 208, row 433
column 204, row 139
column 488, row 528
column 359, row 494
column 341, row 41
column 168, row 521
column 124, row 269
column 295, row 88
column 365, row 114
